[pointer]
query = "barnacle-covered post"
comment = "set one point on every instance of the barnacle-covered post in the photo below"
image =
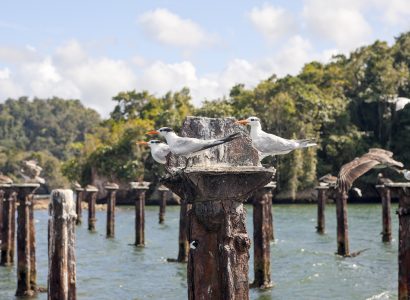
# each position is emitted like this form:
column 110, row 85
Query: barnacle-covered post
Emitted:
column 164, row 191
column 218, row 182
column 139, row 189
column 403, row 212
column 384, row 193
column 262, row 229
column 111, row 199
column 26, row 242
column 91, row 196
column 79, row 192
column 8, row 226
column 321, row 204
column 61, row 246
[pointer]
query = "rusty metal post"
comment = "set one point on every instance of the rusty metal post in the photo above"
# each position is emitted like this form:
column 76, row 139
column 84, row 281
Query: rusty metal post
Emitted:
column 139, row 192
column 403, row 212
column 61, row 246
column 321, row 204
column 8, row 226
column 261, row 239
column 342, row 227
column 26, row 264
column 111, row 199
column 91, row 196
column 78, row 208
column 384, row 193
column 162, row 203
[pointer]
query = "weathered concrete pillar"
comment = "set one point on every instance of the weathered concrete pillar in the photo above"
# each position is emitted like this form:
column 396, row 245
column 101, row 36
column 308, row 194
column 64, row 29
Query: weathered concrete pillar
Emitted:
column 78, row 208
column 384, row 193
column 261, row 239
column 91, row 196
column 26, row 243
column 111, row 199
column 8, row 226
column 218, row 182
column 61, row 246
column 164, row 191
column 403, row 212
column 321, row 204
column 342, row 228
column 139, row 189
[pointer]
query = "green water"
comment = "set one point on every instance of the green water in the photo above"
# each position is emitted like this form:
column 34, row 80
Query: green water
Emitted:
column 303, row 263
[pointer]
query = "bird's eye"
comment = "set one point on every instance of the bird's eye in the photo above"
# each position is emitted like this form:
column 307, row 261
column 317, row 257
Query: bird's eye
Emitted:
column 252, row 119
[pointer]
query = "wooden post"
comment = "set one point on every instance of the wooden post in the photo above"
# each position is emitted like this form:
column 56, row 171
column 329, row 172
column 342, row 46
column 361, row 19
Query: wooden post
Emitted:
column 61, row 246
column 78, row 208
column 162, row 203
column 111, row 199
column 8, row 226
column 270, row 188
column 26, row 264
column 183, row 244
column 321, row 204
column 403, row 212
column 384, row 193
column 91, row 194
column 139, row 192
column 342, row 228
column 261, row 239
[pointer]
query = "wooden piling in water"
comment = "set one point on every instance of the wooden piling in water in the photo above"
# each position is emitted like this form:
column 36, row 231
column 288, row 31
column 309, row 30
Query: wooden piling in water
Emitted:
column 321, row 204
column 342, row 227
column 111, row 199
column 8, row 226
column 261, row 239
column 139, row 189
column 270, row 188
column 78, row 208
column 91, row 196
column 162, row 203
column 403, row 212
column 183, row 244
column 61, row 246
column 26, row 263
column 384, row 193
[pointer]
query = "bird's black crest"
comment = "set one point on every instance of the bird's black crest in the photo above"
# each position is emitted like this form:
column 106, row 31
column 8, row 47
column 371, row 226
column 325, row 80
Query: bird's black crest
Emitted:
column 166, row 129
column 155, row 141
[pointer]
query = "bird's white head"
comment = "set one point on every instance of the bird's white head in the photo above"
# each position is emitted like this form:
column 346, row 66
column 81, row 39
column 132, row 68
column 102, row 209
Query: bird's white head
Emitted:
column 163, row 131
column 151, row 143
column 253, row 121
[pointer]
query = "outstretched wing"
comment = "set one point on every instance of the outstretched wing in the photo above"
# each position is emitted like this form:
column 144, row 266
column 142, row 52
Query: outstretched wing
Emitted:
column 353, row 170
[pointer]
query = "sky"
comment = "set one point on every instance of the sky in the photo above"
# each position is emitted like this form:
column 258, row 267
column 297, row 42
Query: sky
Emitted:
column 91, row 50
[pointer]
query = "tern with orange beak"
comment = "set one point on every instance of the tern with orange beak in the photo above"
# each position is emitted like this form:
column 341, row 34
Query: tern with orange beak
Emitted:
column 269, row 144
column 159, row 150
column 186, row 146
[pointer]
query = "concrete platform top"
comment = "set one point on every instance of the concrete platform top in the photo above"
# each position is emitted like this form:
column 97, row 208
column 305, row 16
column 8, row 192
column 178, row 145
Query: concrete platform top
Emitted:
column 398, row 185
column 143, row 185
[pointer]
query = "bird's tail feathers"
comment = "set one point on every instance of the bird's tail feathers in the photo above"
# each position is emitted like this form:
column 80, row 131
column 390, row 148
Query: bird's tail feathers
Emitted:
column 306, row 143
column 221, row 141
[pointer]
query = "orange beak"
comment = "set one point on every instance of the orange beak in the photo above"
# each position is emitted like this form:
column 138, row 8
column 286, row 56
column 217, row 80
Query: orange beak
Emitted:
column 242, row 122
column 152, row 132
column 142, row 143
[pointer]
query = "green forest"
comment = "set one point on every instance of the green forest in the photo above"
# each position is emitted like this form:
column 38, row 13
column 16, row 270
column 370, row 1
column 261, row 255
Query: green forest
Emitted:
column 346, row 104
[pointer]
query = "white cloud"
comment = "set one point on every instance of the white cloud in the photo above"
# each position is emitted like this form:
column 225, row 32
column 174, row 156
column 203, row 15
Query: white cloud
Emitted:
column 4, row 73
column 170, row 29
column 272, row 22
column 341, row 22
column 395, row 12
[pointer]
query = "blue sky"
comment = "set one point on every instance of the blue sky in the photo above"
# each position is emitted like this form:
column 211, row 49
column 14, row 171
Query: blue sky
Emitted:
column 91, row 50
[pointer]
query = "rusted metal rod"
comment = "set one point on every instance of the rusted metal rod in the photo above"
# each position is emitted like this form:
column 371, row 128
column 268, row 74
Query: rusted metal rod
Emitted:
column 384, row 193
column 78, row 208
column 342, row 227
column 91, row 196
column 111, row 199
column 162, row 203
column 139, row 189
column 261, row 239
column 8, row 226
column 61, row 246
column 26, row 264
column 321, row 204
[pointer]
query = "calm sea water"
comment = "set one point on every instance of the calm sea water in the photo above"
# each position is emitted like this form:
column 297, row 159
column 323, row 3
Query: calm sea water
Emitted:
column 303, row 263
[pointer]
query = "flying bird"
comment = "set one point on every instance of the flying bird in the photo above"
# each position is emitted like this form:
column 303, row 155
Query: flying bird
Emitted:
column 270, row 144
column 186, row 146
column 159, row 150
column 30, row 171
column 375, row 159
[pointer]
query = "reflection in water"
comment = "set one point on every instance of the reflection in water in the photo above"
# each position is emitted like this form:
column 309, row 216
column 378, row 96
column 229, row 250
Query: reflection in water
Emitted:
column 116, row 269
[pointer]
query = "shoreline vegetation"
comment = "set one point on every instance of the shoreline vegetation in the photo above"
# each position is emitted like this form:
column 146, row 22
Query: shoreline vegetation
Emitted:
column 347, row 105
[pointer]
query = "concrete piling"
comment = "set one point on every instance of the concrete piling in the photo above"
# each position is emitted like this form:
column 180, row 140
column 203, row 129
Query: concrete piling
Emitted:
column 321, row 204
column 139, row 189
column 384, row 193
column 91, row 196
column 61, row 246
column 8, row 226
column 111, row 199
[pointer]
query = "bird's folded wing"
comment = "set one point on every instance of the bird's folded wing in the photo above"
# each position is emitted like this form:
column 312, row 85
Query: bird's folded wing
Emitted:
column 273, row 144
